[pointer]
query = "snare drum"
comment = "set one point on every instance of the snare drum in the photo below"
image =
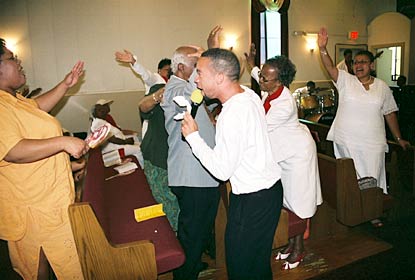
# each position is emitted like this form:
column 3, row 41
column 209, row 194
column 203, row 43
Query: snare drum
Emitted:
column 308, row 102
column 326, row 100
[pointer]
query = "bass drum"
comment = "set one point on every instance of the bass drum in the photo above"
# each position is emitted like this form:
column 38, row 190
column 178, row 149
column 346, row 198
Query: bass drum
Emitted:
column 323, row 118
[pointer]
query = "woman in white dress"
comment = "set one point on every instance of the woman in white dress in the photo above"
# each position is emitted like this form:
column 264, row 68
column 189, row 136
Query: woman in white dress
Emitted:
column 365, row 102
column 292, row 145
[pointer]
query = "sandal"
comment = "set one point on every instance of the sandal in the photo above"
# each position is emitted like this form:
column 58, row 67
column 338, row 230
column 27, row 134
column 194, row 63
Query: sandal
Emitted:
column 287, row 265
column 282, row 256
column 376, row 223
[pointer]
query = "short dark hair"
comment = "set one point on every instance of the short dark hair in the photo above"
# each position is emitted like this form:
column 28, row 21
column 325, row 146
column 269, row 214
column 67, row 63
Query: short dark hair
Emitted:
column 224, row 61
column 285, row 68
column 2, row 46
column 311, row 84
column 366, row 53
column 163, row 62
column 347, row 51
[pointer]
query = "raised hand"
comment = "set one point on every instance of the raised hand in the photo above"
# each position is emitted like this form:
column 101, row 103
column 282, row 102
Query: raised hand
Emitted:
column 213, row 38
column 323, row 38
column 72, row 77
column 250, row 57
column 198, row 51
column 125, row 56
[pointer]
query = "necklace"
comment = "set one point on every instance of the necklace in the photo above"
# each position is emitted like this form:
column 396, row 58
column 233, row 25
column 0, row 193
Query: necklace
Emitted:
column 368, row 81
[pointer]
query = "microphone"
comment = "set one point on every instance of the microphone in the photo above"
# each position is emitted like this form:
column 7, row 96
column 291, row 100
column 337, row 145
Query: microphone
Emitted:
column 196, row 99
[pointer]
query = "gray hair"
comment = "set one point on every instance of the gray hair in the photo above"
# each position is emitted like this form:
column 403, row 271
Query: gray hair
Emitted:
column 224, row 61
column 179, row 57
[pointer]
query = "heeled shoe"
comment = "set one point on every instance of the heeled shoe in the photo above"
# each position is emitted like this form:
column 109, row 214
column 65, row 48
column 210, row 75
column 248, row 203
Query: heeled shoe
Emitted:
column 287, row 265
column 377, row 223
column 282, row 256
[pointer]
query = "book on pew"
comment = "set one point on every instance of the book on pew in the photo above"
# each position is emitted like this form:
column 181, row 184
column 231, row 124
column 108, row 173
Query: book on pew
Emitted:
column 126, row 167
column 112, row 158
column 149, row 212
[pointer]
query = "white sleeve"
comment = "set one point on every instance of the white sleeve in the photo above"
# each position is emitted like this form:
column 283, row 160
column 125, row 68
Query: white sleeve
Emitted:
column 255, row 73
column 148, row 77
column 225, row 157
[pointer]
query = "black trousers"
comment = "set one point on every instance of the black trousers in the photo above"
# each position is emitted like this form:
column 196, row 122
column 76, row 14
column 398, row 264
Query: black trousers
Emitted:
column 252, row 220
column 198, row 209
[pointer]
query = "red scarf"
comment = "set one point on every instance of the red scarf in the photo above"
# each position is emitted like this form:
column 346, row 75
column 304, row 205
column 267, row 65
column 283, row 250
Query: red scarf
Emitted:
column 275, row 95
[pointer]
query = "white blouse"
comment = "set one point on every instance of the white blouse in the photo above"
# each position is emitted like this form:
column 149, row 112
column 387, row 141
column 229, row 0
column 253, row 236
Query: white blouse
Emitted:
column 359, row 121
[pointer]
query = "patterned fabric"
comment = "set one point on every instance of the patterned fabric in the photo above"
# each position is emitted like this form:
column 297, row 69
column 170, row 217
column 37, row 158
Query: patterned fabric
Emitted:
column 157, row 179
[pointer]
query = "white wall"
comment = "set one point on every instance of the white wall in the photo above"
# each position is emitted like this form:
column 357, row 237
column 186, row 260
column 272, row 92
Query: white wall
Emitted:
column 52, row 34
column 390, row 28
column 339, row 17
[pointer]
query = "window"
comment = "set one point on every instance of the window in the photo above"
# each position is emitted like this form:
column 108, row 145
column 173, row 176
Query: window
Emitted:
column 269, row 32
column 270, row 38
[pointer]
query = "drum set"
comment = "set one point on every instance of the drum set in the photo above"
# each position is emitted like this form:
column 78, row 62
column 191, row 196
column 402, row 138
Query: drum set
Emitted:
column 318, row 106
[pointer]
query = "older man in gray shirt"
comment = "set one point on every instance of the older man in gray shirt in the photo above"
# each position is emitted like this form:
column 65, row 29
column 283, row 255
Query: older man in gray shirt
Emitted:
column 194, row 186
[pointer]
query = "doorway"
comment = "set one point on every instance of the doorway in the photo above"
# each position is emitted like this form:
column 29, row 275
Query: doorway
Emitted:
column 389, row 61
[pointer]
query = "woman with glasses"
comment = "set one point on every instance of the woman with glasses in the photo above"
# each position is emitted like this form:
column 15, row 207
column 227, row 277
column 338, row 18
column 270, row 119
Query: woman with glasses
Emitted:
column 292, row 146
column 365, row 102
column 36, row 184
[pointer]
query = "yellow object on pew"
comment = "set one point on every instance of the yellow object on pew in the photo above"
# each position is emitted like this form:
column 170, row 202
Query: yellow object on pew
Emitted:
column 149, row 212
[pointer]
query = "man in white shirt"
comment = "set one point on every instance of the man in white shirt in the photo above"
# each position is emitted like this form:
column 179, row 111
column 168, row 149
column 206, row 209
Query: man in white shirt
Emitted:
column 243, row 155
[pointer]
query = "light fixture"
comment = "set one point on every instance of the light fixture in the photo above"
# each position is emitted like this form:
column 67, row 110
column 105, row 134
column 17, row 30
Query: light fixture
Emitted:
column 299, row 33
column 11, row 44
column 311, row 39
column 230, row 41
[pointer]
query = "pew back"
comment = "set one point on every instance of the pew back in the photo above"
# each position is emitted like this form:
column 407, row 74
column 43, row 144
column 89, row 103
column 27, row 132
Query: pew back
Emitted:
column 100, row 259
column 341, row 191
column 113, row 202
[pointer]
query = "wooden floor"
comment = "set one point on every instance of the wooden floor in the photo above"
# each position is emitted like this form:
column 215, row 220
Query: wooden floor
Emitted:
column 322, row 255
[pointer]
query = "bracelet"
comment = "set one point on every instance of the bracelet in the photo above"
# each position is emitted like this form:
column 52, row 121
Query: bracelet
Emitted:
column 398, row 139
column 154, row 98
column 323, row 52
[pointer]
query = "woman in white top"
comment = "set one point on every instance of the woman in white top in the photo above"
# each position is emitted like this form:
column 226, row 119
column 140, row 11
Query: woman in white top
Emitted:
column 365, row 102
column 293, row 148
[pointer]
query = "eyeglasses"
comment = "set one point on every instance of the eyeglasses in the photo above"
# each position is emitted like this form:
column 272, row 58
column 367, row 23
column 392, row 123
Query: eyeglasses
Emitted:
column 264, row 79
column 357, row 62
column 12, row 58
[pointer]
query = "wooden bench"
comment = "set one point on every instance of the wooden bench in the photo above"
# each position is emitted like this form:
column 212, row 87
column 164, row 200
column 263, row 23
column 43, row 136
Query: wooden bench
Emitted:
column 111, row 244
column 341, row 192
column 400, row 164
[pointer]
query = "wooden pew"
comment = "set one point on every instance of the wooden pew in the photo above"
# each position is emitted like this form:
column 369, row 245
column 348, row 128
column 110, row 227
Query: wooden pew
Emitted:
column 400, row 164
column 102, row 260
column 341, row 191
column 109, row 240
